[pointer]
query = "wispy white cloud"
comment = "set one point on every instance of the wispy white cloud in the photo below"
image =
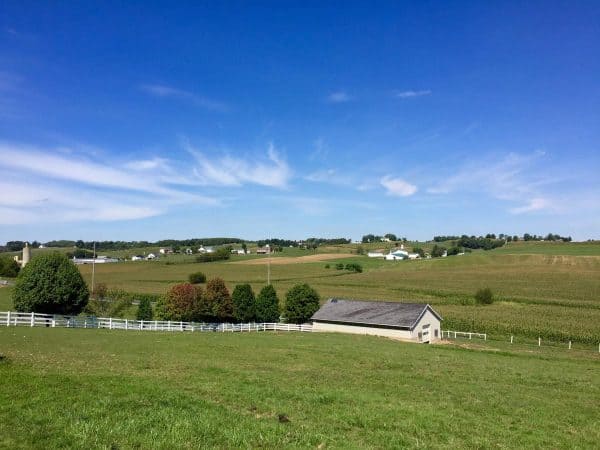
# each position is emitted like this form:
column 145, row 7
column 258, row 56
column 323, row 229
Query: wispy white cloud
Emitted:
column 410, row 94
column 51, row 185
column 398, row 187
column 320, row 150
column 164, row 91
column 330, row 176
column 339, row 97
column 535, row 204
column 516, row 178
column 148, row 164
column 272, row 171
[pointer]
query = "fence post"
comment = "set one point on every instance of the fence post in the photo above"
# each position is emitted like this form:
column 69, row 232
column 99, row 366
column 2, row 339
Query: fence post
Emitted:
column 181, row 326
column 85, row 323
column 569, row 345
column 8, row 319
column 485, row 336
column 470, row 334
column 141, row 325
column 169, row 325
column 32, row 319
column 539, row 342
column 155, row 325
column 110, row 323
column 126, row 324
column 511, row 339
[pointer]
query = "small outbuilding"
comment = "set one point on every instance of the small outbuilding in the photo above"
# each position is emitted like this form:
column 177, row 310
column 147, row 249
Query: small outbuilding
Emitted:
column 415, row 322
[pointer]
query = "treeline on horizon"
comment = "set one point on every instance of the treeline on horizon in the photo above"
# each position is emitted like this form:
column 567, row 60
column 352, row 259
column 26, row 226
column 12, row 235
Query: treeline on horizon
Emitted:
column 487, row 242
column 14, row 246
column 507, row 238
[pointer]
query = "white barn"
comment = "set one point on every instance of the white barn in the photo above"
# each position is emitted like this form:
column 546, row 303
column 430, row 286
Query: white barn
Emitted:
column 415, row 322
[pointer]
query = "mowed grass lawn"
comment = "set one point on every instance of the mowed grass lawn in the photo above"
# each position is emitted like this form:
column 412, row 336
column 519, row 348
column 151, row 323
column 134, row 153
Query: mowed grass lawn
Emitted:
column 100, row 388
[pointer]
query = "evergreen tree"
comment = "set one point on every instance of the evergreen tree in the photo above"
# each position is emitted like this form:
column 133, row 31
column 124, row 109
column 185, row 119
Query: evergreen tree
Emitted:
column 244, row 303
column 267, row 305
column 144, row 311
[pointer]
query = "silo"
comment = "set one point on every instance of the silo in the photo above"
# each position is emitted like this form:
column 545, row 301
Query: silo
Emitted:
column 26, row 255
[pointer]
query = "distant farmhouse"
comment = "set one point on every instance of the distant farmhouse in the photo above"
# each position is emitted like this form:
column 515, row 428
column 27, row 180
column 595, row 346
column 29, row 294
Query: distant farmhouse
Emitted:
column 393, row 255
column 415, row 322
column 266, row 250
column 98, row 260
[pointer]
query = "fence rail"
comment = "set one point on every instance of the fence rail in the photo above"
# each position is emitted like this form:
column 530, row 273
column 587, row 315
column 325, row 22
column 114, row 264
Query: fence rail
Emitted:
column 467, row 334
column 17, row 319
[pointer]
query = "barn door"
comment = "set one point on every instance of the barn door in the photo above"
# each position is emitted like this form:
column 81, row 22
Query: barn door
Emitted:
column 425, row 334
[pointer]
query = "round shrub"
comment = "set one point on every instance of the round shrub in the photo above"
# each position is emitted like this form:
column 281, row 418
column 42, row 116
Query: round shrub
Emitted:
column 8, row 267
column 197, row 278
column 484, row 296
column 301, row 302
column 50, row 284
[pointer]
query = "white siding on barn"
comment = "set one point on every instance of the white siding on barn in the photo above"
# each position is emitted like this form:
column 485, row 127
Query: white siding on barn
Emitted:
column 430, row 323
column 357, row 329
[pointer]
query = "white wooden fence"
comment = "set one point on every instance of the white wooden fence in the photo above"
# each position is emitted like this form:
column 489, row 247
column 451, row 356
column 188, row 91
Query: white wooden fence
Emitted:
column 466, row 334
column 17, row 319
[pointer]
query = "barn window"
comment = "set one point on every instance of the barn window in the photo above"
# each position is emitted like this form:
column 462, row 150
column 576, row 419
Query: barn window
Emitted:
column 435, row 333
column 420, row 335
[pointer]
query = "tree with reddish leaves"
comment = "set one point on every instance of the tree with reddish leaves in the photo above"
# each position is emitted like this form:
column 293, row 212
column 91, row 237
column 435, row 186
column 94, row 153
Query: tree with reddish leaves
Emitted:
column 218, row 300
column 183, row 302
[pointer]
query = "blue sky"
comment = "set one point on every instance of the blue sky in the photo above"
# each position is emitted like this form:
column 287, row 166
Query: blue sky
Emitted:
column 142, row 120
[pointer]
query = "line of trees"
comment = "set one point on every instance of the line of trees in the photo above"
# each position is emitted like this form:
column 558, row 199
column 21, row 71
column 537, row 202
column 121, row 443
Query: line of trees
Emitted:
column 375, row 238
column 191, row 303
column 507, row 238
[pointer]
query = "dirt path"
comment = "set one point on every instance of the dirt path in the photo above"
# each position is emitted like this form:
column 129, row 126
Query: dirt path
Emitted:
column 295, row 260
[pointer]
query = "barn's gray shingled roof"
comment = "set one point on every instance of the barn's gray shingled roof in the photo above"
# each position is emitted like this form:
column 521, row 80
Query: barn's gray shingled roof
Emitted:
column 391, row 314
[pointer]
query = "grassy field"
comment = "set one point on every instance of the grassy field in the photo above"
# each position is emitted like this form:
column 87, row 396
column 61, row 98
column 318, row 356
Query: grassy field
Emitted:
column 96, row 388
column 542, row 288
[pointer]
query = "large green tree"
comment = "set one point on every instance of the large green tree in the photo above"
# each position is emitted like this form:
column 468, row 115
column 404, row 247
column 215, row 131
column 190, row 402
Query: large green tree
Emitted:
column 50, row 284
column 244, row 303
column 267, row 305
column 301, row 302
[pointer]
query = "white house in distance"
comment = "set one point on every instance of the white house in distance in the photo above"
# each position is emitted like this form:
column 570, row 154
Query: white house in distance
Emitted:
column 150, row 256
column 416, row 322
column 204, row 249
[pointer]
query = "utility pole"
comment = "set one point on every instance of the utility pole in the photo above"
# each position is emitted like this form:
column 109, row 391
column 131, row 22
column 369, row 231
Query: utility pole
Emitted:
column 93, row 267
column 269, row 267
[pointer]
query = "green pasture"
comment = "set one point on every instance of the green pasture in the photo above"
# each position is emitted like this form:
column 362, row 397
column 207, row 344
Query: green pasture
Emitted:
column 551, row 248
column 546, row 289
column 555, row 296
column 108, row 389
